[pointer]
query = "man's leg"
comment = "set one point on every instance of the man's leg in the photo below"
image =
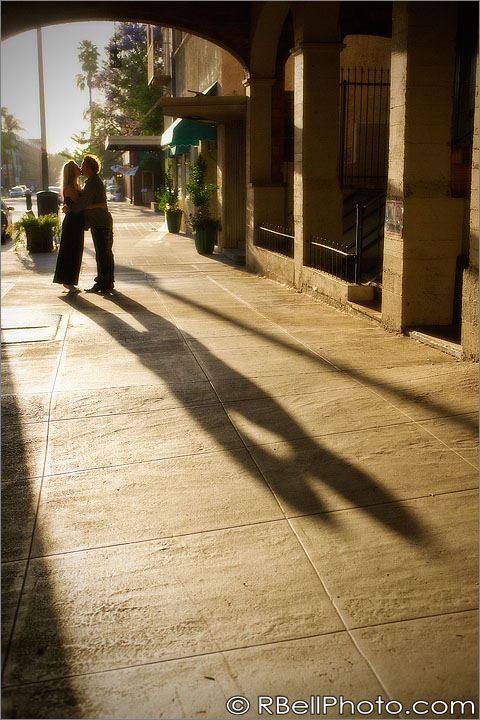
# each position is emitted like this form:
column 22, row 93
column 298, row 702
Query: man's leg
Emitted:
column 103, row 242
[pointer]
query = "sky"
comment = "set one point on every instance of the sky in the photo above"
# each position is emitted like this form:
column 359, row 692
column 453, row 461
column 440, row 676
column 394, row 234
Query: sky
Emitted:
column 64, row 102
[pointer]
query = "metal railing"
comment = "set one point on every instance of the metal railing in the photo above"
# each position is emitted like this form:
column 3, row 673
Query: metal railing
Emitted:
column 345, row 260
column 369, row 231
column 275, row 238
column 332, row 259
column 356, row 259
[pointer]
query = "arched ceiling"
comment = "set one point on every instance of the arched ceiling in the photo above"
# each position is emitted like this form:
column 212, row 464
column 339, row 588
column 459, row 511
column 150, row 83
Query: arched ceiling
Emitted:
column 226, row 24
column 248, row 30
column 366, row 18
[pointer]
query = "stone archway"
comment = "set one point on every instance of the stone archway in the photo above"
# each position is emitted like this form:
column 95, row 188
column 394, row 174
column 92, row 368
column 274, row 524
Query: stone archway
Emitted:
column 225, row 24
column 268, row 23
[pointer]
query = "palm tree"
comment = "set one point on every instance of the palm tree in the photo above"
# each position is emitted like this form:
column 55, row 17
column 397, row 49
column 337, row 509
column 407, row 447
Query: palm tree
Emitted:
column 10, row 125
column 88, row 57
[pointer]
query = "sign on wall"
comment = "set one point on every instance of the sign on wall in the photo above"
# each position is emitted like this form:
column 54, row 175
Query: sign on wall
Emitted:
column 394, row 218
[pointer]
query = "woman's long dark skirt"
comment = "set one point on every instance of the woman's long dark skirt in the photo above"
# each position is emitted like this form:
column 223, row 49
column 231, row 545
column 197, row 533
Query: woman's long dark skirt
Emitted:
column 70, row 252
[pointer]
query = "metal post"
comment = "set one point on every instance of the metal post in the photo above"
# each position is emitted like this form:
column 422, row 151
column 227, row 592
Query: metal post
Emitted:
column 343, row 131
column 358, row 242
column 43, row 128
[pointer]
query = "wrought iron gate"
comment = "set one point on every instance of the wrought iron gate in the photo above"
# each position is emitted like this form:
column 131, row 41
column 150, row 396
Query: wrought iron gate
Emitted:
column 365, row 109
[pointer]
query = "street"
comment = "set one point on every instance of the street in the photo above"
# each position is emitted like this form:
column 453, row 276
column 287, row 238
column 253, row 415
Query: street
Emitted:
column 20, row 206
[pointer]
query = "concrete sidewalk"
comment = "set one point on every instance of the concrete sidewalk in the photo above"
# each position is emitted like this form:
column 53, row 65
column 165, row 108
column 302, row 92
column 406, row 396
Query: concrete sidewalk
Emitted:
column 215, row 486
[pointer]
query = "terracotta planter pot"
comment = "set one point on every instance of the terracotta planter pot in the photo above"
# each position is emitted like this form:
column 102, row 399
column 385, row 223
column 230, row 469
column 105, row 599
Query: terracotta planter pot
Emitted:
column 205, row 240
column 174, row 220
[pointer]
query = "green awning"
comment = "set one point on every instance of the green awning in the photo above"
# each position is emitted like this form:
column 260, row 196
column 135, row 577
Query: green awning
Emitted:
column 188, row 132
column 176, row 150
column 212, row 90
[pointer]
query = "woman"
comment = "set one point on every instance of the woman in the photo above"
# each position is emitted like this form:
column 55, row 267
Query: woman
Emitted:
column 71, row 243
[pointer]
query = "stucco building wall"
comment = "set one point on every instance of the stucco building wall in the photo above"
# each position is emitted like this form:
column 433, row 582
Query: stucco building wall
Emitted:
column 26, row 165
column 198, row 64
column 201, row 73
column 365, row 51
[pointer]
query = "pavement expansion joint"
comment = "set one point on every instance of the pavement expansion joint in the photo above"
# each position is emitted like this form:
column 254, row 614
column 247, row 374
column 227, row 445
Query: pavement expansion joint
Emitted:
column 385, row 503
column 160, row 538
column 140, row 462
column 177, row 658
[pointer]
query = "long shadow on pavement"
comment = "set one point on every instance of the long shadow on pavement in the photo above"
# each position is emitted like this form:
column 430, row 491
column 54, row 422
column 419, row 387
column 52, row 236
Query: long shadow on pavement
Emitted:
column 361, row 376
column 402, row 521
column 20, row 496
column 356, row 373
column 329, row 470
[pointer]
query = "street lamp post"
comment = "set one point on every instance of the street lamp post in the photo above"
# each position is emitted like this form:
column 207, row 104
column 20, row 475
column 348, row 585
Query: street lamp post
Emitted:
column 43, row 127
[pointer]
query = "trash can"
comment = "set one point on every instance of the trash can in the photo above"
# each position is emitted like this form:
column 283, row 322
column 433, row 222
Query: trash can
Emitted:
column 47, row 202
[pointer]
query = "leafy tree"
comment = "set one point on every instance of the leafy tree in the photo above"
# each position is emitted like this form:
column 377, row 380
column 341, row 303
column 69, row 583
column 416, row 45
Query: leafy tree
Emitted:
column 88, row 57
column 126, row 105
column 100, row 123
column 128, row 97
column 10, row 125
column 95, row 146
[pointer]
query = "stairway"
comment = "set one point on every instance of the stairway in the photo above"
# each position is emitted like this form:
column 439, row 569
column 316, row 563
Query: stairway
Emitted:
column 373, row 218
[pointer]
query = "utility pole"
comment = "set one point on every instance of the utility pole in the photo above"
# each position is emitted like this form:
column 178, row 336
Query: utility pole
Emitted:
column 43, row 126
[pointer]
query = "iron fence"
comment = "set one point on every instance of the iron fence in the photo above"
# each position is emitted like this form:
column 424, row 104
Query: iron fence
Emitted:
column 364, row 127
column 275, row 238
column 332, row 259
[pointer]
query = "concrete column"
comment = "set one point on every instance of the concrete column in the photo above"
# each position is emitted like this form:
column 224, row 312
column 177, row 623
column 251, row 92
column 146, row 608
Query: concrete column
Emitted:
column 317, row 199
column 470, row 275
column 265, row 200
column 259, row 130
column 423, row 227
column 231, row 182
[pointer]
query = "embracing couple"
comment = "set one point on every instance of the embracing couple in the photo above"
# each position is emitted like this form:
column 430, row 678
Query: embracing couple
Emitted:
column 85, row 209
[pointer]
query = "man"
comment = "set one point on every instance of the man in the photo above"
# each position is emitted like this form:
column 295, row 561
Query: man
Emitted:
column 100, row 222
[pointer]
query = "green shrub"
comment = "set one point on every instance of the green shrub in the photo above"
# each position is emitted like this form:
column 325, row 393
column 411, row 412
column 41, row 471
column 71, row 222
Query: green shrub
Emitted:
column 168, row 196
column 200, row 194
column 42, row 228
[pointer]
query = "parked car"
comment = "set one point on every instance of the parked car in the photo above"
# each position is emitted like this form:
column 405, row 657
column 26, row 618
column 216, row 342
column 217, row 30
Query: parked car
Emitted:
column 18, row 191
column 6, row 220
column 111, row 191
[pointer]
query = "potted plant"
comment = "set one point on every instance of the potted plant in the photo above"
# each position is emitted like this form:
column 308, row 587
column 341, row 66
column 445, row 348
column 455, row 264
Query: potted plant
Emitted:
column 204, row 226
column 37, row 232
column 168, row 202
